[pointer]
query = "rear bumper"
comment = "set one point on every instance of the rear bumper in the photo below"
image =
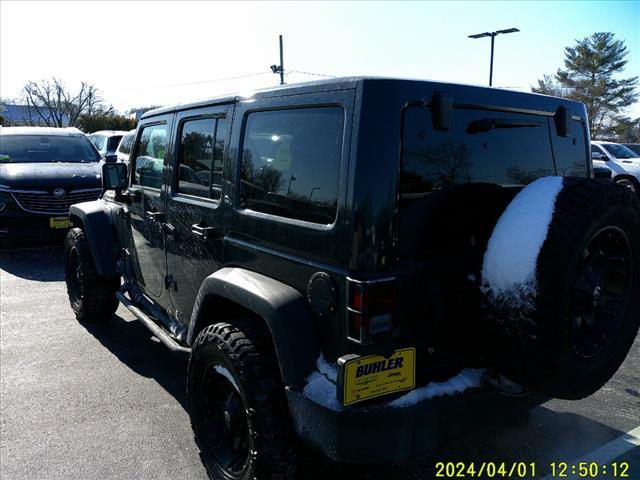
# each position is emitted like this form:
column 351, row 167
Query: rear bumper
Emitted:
column 381, row 434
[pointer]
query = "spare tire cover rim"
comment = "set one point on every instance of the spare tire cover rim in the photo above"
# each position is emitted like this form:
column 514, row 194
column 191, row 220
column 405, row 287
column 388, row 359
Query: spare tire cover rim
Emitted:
column 601, row 291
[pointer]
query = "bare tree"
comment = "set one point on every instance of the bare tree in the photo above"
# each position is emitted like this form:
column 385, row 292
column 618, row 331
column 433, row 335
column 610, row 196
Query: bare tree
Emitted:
column 54, row 105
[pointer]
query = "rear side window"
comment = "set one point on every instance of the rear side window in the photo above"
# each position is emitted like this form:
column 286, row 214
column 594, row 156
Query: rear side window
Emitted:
column 481, row 146
column 291, row 163
column 150, row 156
column 200, row 157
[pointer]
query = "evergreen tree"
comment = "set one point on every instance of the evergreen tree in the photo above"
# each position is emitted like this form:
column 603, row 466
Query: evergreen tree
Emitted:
column 588, row 77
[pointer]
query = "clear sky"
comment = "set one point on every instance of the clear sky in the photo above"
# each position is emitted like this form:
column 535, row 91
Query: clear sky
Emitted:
column 167, row 52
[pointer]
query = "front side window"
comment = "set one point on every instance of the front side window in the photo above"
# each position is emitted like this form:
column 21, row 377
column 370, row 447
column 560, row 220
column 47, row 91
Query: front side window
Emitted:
column 150, row 154
column 200, row 157
column 291, row 163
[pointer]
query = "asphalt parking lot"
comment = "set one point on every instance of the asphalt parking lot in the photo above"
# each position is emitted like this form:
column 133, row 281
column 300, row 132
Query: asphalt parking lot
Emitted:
column 107, row 401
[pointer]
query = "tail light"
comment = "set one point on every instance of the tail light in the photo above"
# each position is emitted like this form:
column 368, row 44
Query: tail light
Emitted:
column 371, row 309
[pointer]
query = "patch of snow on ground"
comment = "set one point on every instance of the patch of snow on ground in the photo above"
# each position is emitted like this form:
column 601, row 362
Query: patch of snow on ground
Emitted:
column 510, row 262
column 321, row 385
column 467, row 378
column 227, row 374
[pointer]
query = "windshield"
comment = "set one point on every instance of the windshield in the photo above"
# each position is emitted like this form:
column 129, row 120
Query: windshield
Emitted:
column 45, row 149
column 619, row 151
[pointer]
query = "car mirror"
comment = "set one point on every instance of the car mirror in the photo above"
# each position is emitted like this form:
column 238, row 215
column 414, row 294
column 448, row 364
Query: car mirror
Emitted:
column 114, row 176
column 112, row 157
column 598, row 156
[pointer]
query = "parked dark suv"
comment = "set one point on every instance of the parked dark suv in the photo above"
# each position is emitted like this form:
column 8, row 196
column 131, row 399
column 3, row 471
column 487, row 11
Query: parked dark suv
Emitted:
column 367, row 267
column 43, row 171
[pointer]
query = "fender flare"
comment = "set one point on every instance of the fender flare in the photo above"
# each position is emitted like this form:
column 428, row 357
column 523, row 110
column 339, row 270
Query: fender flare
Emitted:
column 283, row 309
column 98, row 227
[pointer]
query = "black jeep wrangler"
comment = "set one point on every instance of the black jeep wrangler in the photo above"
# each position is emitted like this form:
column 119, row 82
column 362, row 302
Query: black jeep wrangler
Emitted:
column 363, row 266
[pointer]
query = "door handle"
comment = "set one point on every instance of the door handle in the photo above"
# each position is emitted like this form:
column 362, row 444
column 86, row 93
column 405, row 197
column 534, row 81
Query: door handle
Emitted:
column 169, row 229
column 154, row 216
column 203, row 232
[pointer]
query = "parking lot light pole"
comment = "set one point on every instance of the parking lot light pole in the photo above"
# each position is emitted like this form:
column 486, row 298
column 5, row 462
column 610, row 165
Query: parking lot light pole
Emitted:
column 279, row 68
column 493, row 36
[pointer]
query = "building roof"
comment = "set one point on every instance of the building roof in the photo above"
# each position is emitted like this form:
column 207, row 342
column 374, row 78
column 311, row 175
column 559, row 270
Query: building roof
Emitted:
column 24, row 113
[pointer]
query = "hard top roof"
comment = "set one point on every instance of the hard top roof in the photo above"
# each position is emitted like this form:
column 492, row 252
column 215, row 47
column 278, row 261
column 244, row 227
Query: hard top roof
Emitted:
column 343, row 83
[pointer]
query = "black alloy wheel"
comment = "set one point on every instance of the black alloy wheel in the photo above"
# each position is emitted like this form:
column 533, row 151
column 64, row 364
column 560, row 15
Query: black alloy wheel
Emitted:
column 227, row 423
column 601, row 292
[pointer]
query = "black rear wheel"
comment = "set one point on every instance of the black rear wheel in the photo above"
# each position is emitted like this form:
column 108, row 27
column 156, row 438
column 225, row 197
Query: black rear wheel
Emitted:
column 601, row 292
column 238, row 410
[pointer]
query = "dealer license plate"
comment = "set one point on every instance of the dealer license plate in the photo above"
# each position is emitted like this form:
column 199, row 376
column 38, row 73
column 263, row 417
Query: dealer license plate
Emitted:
column 375, row 376
column 60, row 222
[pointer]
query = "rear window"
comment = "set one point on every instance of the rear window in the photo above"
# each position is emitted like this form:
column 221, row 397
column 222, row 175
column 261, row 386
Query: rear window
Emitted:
column 113, row 143
column 46, row 148
column 291, row 163
column 480, row 146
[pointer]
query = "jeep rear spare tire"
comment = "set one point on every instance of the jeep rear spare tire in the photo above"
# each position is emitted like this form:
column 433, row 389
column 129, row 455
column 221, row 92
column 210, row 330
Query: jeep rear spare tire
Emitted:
column 561, row 278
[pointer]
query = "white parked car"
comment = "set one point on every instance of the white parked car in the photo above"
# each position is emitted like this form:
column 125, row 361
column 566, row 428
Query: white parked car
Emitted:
column 124, row 147
column 623, row 162
column 106, row 142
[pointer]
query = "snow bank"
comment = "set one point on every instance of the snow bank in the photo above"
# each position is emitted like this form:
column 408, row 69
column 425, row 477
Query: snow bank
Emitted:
column 467, row 378
column 509, row 268
column 321, row 385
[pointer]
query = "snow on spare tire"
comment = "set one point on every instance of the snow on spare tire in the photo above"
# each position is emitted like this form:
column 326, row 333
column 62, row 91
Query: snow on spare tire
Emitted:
column 561, row 282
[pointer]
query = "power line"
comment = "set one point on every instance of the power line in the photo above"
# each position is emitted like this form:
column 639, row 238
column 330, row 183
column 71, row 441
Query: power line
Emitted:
column 310, row 73
column 236, row 77
column 200, row 82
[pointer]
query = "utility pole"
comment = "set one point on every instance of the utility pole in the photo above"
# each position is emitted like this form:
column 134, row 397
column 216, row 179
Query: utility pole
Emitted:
column 493, row 37
column 280, row 68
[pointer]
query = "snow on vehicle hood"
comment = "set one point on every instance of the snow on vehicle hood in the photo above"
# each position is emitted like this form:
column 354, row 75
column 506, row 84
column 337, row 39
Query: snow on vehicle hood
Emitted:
column 509, row 268
column 620, row 167
column 46, row 176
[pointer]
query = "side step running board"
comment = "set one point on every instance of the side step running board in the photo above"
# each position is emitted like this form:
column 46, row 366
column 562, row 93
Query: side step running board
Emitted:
column 156, row 330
